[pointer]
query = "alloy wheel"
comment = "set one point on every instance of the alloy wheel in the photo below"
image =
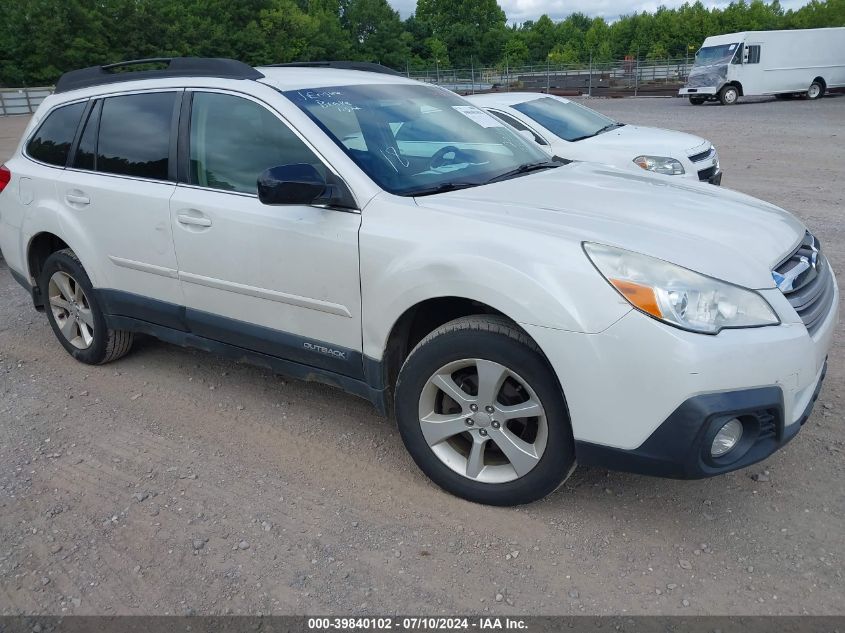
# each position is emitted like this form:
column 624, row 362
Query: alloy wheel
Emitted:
column 71, row 310
column 483, row 421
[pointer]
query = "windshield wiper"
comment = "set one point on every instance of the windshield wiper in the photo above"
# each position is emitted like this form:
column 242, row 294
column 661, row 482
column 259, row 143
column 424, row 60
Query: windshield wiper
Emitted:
column 606, row 128
column 525, row 169
column 441, row 188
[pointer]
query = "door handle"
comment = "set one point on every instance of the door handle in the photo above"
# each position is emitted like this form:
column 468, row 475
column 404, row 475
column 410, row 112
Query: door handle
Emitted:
column 77, row 198
column 192, row 220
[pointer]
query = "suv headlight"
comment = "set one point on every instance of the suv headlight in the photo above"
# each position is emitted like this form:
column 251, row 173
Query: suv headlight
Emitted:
column 660, row 165
column 679, row 296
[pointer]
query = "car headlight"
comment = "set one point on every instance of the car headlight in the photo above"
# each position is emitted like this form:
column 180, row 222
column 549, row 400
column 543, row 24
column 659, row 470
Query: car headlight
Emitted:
column 660, row 165
column 679, row 296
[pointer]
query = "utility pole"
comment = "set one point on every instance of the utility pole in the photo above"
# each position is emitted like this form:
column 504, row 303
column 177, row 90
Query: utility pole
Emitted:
column 437, row 67
column 508, row 73
column 472, row 70
column 548, row 85
column 637, row 73
column 590, row 90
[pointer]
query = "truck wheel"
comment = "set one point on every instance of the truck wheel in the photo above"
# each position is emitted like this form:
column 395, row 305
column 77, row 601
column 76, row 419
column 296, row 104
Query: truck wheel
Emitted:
column 74, row 314
column 482, row 414
column 728, row 95
column 697, row 100
column 815, row 91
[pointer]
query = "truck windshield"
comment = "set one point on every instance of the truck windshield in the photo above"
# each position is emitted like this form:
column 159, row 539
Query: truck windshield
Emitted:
column 419, row 139
column 566, row 119
column 711, row 55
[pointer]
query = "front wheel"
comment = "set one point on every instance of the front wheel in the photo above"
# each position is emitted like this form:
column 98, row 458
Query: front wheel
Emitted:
column 697, row 100
column 815, row 91
column 728, row 95
column 482, row 413
column 74, row 314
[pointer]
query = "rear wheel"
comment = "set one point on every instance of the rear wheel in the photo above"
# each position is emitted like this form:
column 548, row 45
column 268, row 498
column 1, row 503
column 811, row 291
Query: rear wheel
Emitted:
column 815, row 91
column 729, row 95
column 74, row 314
column 697, row 100
column 482, row 413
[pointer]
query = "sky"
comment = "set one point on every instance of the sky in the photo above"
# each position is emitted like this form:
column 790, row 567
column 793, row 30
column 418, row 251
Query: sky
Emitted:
column 522, row 10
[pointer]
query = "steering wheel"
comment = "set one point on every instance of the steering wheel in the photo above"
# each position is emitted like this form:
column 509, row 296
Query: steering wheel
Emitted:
column 439, row 158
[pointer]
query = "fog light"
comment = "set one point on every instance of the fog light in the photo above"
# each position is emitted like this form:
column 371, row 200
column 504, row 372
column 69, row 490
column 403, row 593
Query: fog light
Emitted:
column 727, row 438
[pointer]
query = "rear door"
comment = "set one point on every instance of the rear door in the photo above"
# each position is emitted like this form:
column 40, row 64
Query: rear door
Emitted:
column 279, row 280
column 117, row 190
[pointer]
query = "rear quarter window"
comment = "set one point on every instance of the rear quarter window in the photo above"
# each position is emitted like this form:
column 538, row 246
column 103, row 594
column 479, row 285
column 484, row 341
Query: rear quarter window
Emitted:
column 51, row 143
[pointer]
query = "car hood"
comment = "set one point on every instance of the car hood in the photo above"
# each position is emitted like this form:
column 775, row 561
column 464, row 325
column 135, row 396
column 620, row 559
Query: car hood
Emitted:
column 712, row 230
column 647, row 140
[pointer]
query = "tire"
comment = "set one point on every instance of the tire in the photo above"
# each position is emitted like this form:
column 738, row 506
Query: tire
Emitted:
column 729, row 95
column 697, row 100
column 815, row 91
column 71, row 303
column 462, row 350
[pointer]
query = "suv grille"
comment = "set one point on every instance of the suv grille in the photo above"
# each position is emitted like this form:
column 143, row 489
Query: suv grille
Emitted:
column 806, row 281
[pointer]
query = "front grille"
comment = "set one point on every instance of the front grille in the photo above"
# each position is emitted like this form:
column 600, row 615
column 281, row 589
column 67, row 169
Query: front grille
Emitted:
column 706, row 174
column 697, row 158
column 807, row 282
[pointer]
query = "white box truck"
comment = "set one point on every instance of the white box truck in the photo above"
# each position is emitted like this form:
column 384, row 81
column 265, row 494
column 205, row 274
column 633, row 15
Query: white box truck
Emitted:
column 780, row 63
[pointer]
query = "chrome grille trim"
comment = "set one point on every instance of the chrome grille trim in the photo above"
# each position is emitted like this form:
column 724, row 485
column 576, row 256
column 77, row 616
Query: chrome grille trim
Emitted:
column 806, row 281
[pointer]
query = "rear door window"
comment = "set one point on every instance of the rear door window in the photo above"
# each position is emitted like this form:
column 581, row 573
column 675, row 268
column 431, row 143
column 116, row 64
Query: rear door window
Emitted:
column 51, row 143
column 87, row 150
column 134, row 138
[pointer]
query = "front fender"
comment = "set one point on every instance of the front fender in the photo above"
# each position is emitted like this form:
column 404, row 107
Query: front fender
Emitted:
column 410, row 254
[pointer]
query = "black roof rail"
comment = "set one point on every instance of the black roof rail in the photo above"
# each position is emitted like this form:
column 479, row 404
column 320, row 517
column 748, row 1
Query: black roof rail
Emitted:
column 176, row 67
column 369, row 67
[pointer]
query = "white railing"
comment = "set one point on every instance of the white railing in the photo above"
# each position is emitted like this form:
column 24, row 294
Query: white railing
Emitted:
column 22, row 100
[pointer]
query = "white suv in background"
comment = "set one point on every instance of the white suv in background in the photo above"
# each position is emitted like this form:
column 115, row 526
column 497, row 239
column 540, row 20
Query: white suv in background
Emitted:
column 385, row 236
column 573, row 131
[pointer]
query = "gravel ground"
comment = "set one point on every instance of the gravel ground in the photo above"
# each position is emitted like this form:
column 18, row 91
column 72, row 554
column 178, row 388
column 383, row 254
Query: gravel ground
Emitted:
column 176, row 482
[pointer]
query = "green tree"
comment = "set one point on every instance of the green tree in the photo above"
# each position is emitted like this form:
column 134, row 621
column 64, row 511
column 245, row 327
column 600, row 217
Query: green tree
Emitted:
column 376, row 31
column 462, row 26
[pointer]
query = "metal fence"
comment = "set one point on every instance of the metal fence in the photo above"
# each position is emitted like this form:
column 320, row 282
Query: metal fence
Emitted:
column 629, row 76
column 619, row 78
column 22, row 100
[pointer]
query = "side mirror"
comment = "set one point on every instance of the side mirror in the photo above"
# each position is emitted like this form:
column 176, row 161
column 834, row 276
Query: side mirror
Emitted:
column 290, row 184
column 527, row 135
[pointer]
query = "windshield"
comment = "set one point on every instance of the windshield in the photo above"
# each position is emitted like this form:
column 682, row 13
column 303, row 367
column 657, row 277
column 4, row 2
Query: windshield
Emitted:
column 418, row 139
column 710, row 55
column 566, row 119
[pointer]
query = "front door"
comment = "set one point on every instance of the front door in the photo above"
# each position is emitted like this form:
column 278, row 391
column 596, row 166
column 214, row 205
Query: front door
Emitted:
column 279, row 280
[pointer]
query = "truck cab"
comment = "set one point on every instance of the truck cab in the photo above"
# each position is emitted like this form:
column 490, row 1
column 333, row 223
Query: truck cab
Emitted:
column 718, row 70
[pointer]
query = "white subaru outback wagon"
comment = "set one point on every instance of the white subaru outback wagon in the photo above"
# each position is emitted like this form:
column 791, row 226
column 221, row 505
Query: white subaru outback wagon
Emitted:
column 518, row 314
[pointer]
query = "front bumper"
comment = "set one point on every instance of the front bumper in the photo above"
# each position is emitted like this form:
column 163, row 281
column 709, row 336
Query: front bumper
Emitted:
column 706, row 91
column 642, row 391
column 680, row 447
